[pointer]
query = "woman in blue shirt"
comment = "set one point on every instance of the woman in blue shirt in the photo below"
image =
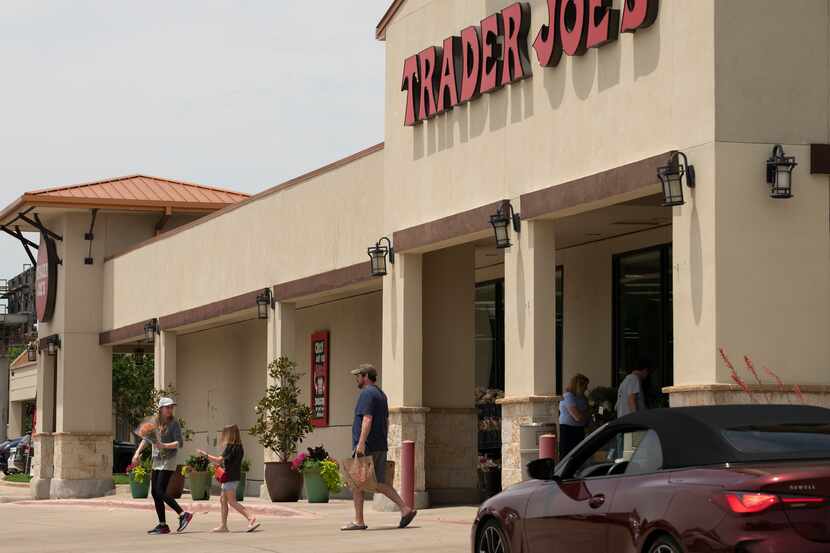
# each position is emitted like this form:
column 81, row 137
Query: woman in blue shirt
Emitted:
column 573, row 414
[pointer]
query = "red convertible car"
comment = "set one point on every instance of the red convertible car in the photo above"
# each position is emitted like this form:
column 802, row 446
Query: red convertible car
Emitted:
column 738, row 479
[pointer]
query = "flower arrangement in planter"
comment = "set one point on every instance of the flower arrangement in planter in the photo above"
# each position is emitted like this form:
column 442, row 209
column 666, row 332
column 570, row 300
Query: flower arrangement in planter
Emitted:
column 139, row 474
column 243, row 480
column 601, row 403
column 489, row 476
column 320, row 472
column 283, row 421
column 200, row 472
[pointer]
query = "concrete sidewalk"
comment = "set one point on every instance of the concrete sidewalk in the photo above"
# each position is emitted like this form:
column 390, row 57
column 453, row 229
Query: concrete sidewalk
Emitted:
column 119, row 523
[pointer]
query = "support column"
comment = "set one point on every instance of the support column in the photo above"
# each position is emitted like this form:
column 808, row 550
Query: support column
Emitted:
column 43, row 434
column 5, row 405
column 401, row 374
column 165, row 360
column 280, row 336
column 530, row 339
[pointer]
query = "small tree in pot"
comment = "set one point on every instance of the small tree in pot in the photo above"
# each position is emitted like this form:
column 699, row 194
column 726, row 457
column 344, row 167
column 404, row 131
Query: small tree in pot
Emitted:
column 282, row 423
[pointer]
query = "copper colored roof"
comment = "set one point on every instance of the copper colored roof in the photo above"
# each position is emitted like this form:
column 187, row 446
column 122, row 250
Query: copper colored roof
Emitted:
column 135, row 192
column 380, row 30
column 22, row 361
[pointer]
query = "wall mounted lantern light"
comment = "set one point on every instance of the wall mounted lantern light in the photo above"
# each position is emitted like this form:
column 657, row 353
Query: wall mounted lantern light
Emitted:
column 264, row 300
column 31, row 352
column 138, row 357
column 780, row 174
column 501, row 220
column 151, row 328
column 53, row 343
column 378, row 254
column 671, row 179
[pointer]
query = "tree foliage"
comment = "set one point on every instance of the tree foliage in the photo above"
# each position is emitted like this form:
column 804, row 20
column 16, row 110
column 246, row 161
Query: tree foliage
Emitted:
column 132, row 386
column 282, row 419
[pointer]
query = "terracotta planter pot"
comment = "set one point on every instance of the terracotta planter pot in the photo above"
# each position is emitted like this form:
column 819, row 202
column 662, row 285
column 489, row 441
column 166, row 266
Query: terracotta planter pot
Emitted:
column 283, row 483
column 175, row 488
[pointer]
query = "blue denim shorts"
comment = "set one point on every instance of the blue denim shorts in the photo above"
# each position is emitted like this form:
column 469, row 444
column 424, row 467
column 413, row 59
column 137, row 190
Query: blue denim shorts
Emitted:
column 230, row 486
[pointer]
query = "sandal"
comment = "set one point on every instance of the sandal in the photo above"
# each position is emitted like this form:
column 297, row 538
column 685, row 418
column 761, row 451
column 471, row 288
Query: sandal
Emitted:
column 353, row 526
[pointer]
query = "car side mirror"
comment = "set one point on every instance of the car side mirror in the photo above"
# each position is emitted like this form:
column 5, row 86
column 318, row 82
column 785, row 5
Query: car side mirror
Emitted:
column 542, row 469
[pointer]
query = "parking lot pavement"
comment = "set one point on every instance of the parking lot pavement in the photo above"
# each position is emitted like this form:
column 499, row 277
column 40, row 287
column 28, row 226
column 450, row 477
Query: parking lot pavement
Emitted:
column 98, row 526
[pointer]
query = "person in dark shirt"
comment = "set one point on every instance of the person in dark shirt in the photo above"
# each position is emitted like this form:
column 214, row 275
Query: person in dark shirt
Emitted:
column 231, row 461
column 369, row 437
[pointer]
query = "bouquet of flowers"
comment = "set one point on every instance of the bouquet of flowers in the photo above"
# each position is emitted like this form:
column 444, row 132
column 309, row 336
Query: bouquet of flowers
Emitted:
column 486, row 464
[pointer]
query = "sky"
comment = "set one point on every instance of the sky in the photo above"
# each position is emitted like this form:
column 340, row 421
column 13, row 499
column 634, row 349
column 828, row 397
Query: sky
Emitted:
column 239, row 94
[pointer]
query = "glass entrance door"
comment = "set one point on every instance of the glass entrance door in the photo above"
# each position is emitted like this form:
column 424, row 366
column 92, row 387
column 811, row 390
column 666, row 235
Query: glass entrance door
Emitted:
column 643, row 331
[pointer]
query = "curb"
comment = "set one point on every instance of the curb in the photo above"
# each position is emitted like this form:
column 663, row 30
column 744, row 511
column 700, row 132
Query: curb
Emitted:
column 193, row 507
column 14, row 484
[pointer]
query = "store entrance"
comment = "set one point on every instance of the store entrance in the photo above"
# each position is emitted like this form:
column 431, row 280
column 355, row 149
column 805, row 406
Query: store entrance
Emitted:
column 643, row 331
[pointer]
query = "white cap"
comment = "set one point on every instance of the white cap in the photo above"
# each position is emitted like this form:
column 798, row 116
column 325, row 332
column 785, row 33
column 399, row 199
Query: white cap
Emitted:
column 166, row 402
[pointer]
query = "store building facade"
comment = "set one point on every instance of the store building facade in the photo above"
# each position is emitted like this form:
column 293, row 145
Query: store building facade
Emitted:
column 473, row 341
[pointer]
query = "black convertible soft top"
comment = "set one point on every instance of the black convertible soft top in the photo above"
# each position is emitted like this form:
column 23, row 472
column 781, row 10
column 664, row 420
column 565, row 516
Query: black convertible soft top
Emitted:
column 693, row 436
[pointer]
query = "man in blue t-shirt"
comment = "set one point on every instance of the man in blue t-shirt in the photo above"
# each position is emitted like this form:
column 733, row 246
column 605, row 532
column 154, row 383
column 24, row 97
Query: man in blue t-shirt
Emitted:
column 369, row 437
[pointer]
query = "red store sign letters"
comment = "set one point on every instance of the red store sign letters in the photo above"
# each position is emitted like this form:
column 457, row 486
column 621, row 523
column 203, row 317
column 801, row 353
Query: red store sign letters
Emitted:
column 486, row 57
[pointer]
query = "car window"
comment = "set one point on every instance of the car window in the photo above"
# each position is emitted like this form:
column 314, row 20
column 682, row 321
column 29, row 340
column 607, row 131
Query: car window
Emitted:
column 631, row 452
column 779, row 439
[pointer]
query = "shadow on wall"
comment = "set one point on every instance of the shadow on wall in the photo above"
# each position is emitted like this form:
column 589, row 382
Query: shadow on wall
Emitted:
column 696, row 265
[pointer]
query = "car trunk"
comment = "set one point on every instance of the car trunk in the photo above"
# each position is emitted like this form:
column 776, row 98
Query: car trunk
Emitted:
column 803, row 489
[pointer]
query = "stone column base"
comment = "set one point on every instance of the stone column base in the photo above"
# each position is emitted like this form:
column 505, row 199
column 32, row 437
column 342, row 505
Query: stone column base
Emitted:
column 42, row 465
column 452, row 455
column 731, row 394
column 408, row 423
column 82, row 465
column 516, row 411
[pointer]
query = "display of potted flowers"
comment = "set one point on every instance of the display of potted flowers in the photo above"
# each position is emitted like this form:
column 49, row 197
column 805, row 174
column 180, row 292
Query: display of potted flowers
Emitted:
column 199, row 470
column 601, row 402
column 320, row 472
column 240, row 489
column 139, row 474
column 489, row 476
column 282, row 423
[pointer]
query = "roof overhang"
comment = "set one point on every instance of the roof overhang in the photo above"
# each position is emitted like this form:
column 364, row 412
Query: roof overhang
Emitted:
column 380, row 29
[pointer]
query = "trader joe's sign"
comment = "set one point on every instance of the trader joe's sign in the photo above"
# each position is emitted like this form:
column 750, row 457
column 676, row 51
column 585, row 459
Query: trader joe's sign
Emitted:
column 46, row 279
column 485, row 57
column 320, row 378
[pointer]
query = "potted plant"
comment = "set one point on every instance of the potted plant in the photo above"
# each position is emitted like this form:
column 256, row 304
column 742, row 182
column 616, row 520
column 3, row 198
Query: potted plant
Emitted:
column 282, row 423
column 320, row 472
column 139, row 474
column 601, row 402
column 199, row 470
column 489, row 476
column 240, row 489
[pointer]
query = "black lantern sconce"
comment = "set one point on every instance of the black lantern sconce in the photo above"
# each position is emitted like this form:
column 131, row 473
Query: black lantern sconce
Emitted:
column 138, row 357
column 151, row 328
column 780, row 174
column 31, row 352
column 264, row 301
column 502, row 219
column 671, row 179
column 378, row 254
column 53, row 343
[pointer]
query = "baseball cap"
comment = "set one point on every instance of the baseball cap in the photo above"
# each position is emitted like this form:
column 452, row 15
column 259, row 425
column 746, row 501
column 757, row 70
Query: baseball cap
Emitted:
column 367, row 369
column 166, row 402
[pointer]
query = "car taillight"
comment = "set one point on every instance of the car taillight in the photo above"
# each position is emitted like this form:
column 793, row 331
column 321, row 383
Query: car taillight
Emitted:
column 744, row 503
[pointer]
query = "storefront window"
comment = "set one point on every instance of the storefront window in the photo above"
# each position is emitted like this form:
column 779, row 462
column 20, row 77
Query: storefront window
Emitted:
column 643, row 333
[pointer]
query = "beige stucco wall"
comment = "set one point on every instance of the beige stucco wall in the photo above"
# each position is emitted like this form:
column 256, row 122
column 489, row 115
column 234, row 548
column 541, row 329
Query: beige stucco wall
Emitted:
column 23, row 384
column 220, row 376
column 354, row 326
column 643, row 95
column 324, row 223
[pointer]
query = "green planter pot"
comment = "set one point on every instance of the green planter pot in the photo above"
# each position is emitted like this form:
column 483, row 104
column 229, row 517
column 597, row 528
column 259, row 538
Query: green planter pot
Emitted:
column 200, row 485
column 240, row 489
column 315, row 487
column 140, row 490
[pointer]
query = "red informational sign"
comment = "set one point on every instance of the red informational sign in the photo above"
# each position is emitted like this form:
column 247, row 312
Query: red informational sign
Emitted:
column 494, row 53
column 320, row 378
column 46, row 279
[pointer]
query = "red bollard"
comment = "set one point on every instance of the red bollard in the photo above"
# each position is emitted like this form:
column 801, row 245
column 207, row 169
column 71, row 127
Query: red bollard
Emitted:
column 408, row 472
column 547, row 446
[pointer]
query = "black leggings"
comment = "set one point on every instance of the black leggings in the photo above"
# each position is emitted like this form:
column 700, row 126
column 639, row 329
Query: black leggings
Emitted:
column 569, row 438
column 161, row 478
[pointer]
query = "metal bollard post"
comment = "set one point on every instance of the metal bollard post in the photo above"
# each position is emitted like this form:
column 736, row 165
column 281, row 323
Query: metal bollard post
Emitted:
column 547, row 446
column 408, row 472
